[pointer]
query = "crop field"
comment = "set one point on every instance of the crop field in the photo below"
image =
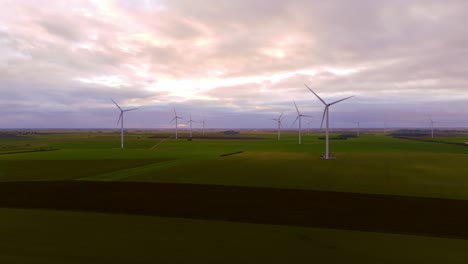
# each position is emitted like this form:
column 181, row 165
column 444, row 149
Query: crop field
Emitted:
column 231, row 198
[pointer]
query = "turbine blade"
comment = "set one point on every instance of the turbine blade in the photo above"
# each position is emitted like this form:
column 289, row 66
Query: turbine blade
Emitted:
column 296, row 108
column 120, row 117
column 323, row 116
column 175, row 113
column 307, row 115
column 341, row 100
column 172, row 120
column 315, row 94
column 281, row 115
column 295, row 121
column 116, row 104
column 131, row 109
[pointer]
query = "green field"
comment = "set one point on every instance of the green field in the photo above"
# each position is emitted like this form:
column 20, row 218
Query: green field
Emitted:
column 49, row 237
column 378, row 164
column 369, row 164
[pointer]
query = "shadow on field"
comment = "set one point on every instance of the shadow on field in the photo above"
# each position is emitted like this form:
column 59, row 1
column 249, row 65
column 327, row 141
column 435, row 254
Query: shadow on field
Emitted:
column 364, row 212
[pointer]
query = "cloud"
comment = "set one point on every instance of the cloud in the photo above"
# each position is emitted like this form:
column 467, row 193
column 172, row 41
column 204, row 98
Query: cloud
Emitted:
column 239, row 59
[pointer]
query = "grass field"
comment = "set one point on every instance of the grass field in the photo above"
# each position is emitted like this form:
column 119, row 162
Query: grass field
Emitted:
column 49, row 237
column 369, row 164
column 376, row 164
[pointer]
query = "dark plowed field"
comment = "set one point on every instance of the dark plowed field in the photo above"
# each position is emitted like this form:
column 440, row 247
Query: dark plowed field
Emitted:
column 366, row 212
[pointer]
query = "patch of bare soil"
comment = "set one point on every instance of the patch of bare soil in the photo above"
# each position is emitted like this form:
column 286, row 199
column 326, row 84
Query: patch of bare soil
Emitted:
column 351, row 211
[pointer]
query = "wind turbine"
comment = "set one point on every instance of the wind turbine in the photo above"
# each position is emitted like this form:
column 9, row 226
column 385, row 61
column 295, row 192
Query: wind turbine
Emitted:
column 299, row 116
column 432, row 126
column 358, row 127
column 279, row 121
column 176, row 117
column 121, row 121
column 326, row 113
column 203, row 125
column 190, row 122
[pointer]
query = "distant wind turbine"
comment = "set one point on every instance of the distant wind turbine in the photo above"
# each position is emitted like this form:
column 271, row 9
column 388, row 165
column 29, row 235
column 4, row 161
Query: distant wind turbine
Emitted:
column 176, row 117
column 203, row 125
column 190, row 121
column 326, row 114
column 279, row 120
column 358, row 127
column 121, row 121
column 432, row 126
column 299, row 116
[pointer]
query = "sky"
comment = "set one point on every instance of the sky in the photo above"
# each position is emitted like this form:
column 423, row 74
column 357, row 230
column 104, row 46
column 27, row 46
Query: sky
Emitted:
column 236, row 64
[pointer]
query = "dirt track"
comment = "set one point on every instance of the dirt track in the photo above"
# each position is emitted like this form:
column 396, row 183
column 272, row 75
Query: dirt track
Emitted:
column 366, row 212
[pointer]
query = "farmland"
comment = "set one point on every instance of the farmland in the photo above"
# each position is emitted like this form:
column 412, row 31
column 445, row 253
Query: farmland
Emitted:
column 369, row 164
column 62, row 178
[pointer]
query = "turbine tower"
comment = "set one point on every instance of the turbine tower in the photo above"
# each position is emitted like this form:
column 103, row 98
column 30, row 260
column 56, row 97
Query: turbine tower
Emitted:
column 432, row 126
column 299, row 116
column 280, row 124
column 121, row 121
column 176, row 117
column 203, row 124
column 326, row 115
column 358, row 127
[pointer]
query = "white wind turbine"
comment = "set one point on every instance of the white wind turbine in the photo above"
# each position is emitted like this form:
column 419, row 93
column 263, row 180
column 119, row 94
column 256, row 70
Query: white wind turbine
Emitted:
column 279, row 120
column 190, row 121
column 326, row 113
column 358, row 127
column 176, row 117
column 121, row 121
column 203, row 125
column 432, row 126
column 299, row 116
